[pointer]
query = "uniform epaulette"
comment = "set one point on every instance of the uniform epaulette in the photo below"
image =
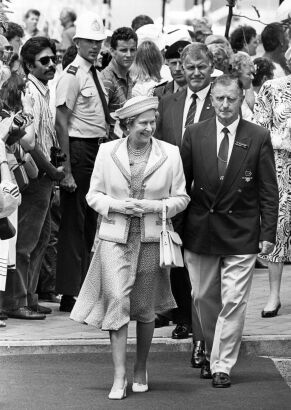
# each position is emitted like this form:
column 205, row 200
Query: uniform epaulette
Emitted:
column 161, row 84
column 72, row 70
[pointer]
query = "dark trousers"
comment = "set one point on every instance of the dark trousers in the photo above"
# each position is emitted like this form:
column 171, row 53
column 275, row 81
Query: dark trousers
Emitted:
column 47, row 276
column 32, row 239
column 78, row 220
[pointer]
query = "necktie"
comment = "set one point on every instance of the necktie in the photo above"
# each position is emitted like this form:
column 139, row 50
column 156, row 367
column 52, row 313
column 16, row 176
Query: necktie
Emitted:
column 192, row 110
column 101, row 95
column 223, row 154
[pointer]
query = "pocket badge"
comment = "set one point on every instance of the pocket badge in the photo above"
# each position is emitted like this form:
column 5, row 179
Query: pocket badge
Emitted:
column 248, row 175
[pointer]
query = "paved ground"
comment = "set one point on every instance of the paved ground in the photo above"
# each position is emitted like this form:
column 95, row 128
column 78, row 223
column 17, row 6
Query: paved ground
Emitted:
column 83, row 381
column 57, row 333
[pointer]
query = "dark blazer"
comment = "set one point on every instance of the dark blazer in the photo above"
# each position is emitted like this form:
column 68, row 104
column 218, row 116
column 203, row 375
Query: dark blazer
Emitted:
column 229, row 217
column 171, row 108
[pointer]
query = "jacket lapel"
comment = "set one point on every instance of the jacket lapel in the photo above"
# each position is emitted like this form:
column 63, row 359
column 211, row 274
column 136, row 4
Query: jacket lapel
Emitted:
column 157, row 157
column 120, row 157
column 209, row 154
column 177, row 115
column 240, row 149
column 207, row 109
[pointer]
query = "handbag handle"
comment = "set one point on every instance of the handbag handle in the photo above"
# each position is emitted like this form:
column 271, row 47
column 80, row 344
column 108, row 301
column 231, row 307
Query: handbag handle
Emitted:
column 164, row 216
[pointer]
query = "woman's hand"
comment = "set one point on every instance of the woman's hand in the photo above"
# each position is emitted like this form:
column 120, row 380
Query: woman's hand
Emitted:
column 150, row 205
column 128, row 206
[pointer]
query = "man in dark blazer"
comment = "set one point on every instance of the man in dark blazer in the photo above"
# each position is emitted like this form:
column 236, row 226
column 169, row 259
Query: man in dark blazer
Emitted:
column 177, row 111
column 230, row 171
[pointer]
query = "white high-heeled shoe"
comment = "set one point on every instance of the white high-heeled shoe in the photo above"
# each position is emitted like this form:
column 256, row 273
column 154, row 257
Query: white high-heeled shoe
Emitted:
column 118, row 394
column 139, row 387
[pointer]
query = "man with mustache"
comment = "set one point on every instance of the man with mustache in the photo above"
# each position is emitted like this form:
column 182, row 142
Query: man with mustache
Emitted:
column 177, row 112
column 116, row 76
column 82, row 122
column 21, row 300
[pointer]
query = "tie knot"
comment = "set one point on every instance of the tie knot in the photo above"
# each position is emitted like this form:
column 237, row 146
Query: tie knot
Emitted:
column 225, row 131
column 194, row 97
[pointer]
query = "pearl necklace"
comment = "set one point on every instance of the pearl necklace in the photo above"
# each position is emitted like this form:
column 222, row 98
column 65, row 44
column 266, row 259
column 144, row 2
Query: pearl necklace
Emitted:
column 138, row 152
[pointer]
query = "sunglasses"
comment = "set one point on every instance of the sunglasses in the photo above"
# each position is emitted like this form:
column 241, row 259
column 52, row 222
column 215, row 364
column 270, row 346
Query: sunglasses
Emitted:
column 46, row 59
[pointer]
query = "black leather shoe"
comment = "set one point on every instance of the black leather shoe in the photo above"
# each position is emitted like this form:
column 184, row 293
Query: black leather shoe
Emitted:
column 41, row 309
column 25, row 313
column 161, row 321
column 205, row 372
column 181, row 332
column 271, row 313
column 198, row 354
column 67, row 303
column 221, row 380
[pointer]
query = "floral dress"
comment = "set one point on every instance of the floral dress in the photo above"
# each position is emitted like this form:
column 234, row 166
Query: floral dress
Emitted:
column 273, row 111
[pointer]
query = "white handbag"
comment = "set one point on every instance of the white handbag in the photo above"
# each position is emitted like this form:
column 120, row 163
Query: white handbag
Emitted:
column 170, row 245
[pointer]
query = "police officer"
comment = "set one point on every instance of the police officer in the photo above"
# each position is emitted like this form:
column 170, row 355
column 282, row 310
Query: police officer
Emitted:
column 81, row 126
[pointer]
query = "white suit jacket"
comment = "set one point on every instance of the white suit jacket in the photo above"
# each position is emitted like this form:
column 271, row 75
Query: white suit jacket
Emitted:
column 111, row 180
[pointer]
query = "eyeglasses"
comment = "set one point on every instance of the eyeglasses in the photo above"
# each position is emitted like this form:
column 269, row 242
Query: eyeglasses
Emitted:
column 46, row 59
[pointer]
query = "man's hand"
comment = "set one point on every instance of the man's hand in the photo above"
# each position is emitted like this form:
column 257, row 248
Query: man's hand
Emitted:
column 68, row 183
column 266, row 247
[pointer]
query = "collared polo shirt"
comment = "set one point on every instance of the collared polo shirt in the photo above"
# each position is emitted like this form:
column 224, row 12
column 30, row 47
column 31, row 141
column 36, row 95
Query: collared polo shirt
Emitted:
column 42, row 115
column 76, row 89
column 118, row 87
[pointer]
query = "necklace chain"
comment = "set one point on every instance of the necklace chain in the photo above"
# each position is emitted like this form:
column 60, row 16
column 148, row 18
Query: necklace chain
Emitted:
column 138, row 152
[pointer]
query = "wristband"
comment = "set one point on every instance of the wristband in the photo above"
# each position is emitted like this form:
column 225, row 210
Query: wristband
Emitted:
column 4, row 162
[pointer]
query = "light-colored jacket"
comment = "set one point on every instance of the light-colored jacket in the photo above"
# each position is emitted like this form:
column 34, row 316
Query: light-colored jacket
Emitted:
column 111, row 180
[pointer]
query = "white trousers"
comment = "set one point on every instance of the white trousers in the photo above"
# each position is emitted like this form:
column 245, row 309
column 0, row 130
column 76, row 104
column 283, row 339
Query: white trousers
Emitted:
column 220, row 290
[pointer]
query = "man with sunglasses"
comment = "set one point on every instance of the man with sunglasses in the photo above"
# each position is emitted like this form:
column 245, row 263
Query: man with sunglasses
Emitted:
column 38, row 55
column 82, row 119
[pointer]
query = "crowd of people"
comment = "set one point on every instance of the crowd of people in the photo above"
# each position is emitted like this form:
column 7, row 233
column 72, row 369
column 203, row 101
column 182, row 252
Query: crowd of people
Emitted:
column 103, row 135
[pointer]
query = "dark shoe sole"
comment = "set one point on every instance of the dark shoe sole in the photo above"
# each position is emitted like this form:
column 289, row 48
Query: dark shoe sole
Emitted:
column 221, row 386
column 26, row 317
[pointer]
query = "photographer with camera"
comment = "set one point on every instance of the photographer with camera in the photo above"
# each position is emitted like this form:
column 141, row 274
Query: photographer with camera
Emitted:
column 39, row 57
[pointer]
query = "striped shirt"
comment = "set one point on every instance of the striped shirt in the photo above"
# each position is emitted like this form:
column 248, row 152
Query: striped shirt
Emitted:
column 43, row 117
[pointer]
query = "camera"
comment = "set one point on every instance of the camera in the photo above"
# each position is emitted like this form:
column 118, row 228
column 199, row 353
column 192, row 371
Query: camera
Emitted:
column 19, row 120
column 57, row 156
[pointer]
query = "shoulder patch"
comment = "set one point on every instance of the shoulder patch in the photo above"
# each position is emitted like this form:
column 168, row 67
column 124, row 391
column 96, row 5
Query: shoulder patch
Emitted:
column 161, row 84
column 72, row 70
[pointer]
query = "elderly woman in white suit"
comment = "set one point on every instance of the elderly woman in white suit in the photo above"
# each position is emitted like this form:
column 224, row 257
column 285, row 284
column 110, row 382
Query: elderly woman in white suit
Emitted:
column 131, row 177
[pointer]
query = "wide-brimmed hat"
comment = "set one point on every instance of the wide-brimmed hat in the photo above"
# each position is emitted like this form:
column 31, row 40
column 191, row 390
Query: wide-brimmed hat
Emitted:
column 135, row 106
column 90, row 26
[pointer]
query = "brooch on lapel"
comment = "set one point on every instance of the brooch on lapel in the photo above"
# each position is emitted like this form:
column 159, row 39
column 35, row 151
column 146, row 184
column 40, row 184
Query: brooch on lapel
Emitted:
column 248, row 175
column 240, row 145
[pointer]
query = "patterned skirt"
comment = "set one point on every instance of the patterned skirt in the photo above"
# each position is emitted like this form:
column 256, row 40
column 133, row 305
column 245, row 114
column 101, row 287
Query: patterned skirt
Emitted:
column 282, row 251
column 124, row 282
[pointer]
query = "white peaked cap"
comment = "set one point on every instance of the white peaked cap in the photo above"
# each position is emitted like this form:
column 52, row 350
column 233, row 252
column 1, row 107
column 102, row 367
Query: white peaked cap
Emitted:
column 90, row 26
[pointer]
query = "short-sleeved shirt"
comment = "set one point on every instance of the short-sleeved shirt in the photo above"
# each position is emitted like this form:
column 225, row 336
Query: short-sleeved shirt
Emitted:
column 42, row 116
column 76, row 89
column 118, row 87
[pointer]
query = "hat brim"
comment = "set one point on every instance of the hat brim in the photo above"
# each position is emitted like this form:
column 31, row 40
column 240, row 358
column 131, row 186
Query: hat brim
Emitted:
column 96, row 37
